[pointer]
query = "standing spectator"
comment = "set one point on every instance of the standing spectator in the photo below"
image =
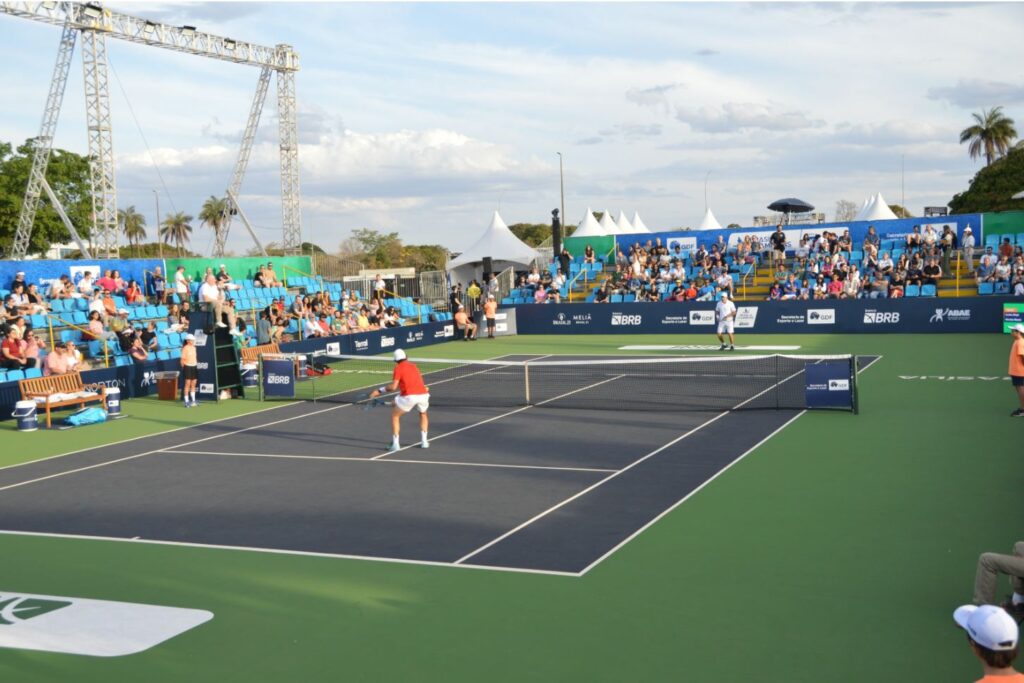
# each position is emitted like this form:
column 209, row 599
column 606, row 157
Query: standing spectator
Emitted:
column 263, row 328
column 158, row 284
column 454, row 299
column 778, row 242
column 190, row 370
column 19, row 279
column 725, row 311
column 138, row 351
column 564, row 259
column 992, row 634
column 492, row 285
column 1017, row 366
column 967, row 246
column 379, row 287
column 490, row 310
column 947, row 243
column 473, row 293
column 181, row 284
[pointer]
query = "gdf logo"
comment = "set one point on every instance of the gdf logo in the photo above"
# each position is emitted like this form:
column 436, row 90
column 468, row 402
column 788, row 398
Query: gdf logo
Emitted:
column 839, row 385
column 624, row 319
column 278, row 379
column 872, row 317
column 202, row 366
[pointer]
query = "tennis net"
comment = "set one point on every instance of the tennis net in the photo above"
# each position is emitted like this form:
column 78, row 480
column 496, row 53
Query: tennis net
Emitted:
column 768, row 382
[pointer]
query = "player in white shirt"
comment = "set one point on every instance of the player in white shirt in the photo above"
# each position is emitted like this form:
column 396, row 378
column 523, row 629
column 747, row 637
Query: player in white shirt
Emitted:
column 725, row 311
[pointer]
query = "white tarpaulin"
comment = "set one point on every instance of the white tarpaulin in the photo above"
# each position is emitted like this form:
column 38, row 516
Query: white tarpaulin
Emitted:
column 608, row 225
column 875, row 209
column 709, row 222
column 589, row 227
column 622, row 225
column 638, row 224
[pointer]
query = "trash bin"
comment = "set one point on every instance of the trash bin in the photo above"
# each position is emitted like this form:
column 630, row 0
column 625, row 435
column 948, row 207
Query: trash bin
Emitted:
column 167, row 385
column 113, row 402
column 25, row 411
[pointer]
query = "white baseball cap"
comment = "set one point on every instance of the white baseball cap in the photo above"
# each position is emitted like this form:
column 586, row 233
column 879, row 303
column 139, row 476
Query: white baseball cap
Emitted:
column 1019, row 327
column 123, row 311
column 988, row 626
column 399, row 355
column 968, row 229
column 190, row 337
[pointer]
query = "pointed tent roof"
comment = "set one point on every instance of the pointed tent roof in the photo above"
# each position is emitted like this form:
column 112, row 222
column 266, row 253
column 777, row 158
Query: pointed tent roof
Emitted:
column 589, row 227
column 865, row 208
column 499, row 243
column 608, row 225
column 638, row 224
column 709, row 222
column 623, row 225
column 877, row 210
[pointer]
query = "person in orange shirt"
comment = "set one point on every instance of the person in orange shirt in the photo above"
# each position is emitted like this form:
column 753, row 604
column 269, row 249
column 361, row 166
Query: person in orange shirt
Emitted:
column 490, row 309
column 992, row 635
column 467, row 326
column 190, row 370
column 408, row 381
column 1017, row 366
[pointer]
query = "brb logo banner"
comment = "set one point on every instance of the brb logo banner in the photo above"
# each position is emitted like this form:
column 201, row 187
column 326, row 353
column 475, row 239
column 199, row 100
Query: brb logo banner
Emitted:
column 873, row 317
column 626, row 319
column 279, row 378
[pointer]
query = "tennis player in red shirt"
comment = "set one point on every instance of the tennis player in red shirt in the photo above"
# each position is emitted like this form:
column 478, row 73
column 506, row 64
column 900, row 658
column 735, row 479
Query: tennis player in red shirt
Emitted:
column 412, row 393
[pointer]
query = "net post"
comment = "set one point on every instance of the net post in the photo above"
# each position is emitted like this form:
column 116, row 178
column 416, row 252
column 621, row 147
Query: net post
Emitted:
column 777, row 381
column 526, row 380
column 259, row 374
column 855, row 365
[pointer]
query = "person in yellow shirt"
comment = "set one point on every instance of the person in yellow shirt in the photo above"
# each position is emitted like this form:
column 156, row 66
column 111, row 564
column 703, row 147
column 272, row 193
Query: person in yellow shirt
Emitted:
column 490, row 309
column 190, row 370
column 1017, row 367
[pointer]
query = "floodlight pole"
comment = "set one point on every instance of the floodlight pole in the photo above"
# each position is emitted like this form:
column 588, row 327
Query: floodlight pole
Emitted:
column 561, row 184
column 706, row 176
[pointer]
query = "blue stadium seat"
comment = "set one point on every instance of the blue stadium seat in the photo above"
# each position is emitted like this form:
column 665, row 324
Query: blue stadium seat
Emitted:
column 163, row 354
column 912, row 290
column 1007, row 236
column 15, row 375
column 627, row 298
column 985, row 288
column 162, row 311
column 175, row 353
column 32, row 373
column 3, row 376
column 69, row 335
column 928, row 290
column 1002, row 287
column 80, row 318
column 121, row 361
column 991, row 240
column 616, row 298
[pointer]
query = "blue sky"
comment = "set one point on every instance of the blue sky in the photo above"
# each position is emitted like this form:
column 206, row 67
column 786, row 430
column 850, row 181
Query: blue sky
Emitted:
column 423, row 118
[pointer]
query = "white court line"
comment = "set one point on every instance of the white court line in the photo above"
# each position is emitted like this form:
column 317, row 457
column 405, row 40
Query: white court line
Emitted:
column 280, row 551
column 624, row 469
column 343, row 458
column 158, row 450
column 498, row 417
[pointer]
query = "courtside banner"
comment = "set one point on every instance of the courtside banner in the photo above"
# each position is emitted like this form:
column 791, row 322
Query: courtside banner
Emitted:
column 829, row 384
column 80, row 626
column 826, row 316
column 279, row 378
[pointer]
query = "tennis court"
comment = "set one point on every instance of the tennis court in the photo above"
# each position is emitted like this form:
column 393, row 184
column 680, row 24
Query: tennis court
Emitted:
column 519, row 488
column 833, row 516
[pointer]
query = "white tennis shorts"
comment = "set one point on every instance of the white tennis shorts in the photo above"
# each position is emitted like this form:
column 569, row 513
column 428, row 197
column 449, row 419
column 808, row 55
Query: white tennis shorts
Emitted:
column 725, row 326
column 407, row 403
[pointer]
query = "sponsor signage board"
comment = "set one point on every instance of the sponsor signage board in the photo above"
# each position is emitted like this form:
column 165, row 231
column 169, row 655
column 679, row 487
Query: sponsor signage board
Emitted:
column 828, row 384
column 279, row 378
column 1013, row 314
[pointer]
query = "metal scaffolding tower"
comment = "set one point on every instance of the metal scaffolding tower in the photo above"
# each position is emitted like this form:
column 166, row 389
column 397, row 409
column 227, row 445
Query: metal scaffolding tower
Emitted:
column 95, row 23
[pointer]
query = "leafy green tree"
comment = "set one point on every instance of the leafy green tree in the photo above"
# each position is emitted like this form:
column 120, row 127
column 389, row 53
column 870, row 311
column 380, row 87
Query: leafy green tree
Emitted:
column 214, row 214
column 177, row 228
column 133, row 225
column 991, row 134
column 900, row 211
column 531, row 233
column 424, row 257
column 993, row 186
column 68, row 175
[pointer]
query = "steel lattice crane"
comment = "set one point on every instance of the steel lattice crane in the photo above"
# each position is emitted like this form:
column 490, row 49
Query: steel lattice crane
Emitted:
column 95, row 23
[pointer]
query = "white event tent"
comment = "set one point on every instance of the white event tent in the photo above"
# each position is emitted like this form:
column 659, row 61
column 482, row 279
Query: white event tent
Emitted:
column 497, row 242
column 638, row 224
column 589, row 227
column 875, row 209
column 709, row 222
column 622, row 225
column 608, row 225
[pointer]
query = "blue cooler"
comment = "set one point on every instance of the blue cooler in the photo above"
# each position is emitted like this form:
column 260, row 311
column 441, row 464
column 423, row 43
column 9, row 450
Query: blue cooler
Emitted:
column 25, row 412
column 250, row 376
column 113, row 402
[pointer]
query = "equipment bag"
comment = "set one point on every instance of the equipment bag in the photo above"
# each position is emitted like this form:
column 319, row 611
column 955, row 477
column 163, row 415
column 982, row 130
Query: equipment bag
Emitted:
column 86, row 416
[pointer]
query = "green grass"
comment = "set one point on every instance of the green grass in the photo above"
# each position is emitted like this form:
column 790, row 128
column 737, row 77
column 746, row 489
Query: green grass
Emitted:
column 836, row 551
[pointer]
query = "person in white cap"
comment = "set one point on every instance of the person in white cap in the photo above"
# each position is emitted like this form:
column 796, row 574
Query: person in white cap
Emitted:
column 1017, row 367
column 490, row 310
column 412, row 392
column 967, row 246
column 189, row 370
column 725, row 311
column 993, row 636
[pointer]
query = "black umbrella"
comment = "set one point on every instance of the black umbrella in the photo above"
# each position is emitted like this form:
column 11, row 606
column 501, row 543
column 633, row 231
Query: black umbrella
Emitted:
column 790, row 205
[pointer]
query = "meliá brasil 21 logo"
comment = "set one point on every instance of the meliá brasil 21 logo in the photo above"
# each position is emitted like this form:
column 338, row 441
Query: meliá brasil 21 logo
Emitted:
column 16, row 608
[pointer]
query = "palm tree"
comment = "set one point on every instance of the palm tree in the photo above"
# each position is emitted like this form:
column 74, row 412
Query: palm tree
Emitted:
column 992, row 133
column 214, row 214
column 177, row 228
column 133, row 225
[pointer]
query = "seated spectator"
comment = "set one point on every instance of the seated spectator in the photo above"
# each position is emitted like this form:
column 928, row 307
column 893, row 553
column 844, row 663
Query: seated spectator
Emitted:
column 56, row 362
column 138, row 351
column 896, row 285
column 1005, row 249
column 76, row 362
column 310, row 328
column 775, row 292
column 363, row 319
column 463, row 322
column 540, row 295
column 820, row 287
column 932, row 273
column 914, row 238
column 1017, row 284
column 870, row 262
column 87, row 284
column 986, row 266
column 260, row 278
column 19, row 279
column 706, row 292
column 119, row 284
column 180, row 326
column 1002, row 270
column 119, row 323
column 18, row 301
column 149, row 337
column 835, row 289
column 107, row 281
column 871, row 239
column 19, row 326
column 915, row 274
column 325, row 326
column 885, row 264
column 845, row 243
column 993, row 635
column 879, row 287
column 12, row 356
column 554, row 296
column 94, row 328
column 533, row 279
column 805, row 291
column 270, row 278
column 61, row 288
column 33, row 345
column 588, row 254
column 930, row 238
column 133, row 293
column 724, row 283
column 852, row 284
column 790, row 290
column 224, row 280
column 36, row 301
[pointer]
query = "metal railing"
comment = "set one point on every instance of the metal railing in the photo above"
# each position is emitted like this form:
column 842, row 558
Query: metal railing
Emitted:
column 67, row 323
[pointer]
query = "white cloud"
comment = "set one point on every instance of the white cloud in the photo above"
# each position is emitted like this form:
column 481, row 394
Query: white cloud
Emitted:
column 734, row 116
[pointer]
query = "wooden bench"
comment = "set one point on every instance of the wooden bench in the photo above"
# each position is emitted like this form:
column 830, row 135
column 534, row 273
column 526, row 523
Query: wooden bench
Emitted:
column 70, row 384
column 251, row 354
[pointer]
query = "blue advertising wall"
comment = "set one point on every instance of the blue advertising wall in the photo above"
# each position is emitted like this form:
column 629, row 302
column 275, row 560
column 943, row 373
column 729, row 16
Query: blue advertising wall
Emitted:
column 977, row 314
column 894, row 229
column 43, row 272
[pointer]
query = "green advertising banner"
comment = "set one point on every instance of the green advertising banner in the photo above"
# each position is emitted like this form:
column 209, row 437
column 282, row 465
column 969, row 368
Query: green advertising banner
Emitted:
column 1013, row 314
column 1003, row 223
column 243, row 268
column 602, row 245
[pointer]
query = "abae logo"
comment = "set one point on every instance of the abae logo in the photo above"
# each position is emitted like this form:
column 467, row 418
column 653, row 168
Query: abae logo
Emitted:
column 626, row 319
column 873, row 317
column 148, row 378
column 950, row 315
